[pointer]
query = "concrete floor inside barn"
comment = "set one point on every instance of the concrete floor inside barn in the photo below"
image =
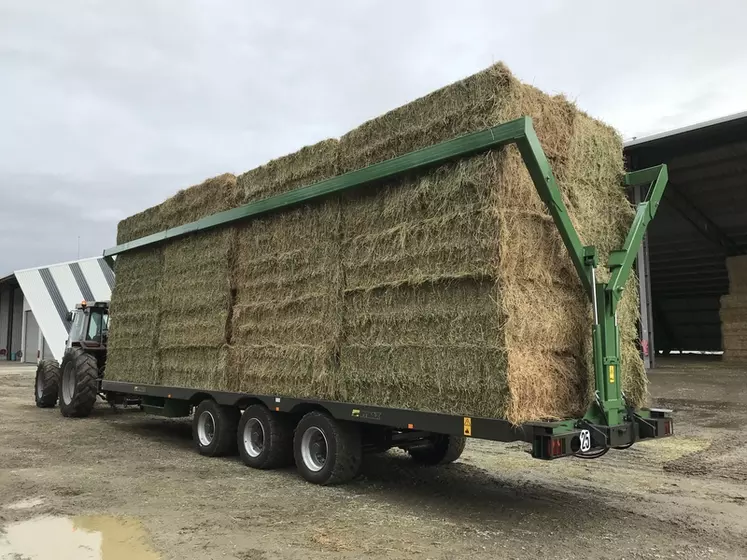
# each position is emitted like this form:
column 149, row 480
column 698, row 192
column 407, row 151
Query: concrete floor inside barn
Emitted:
column 684, row 497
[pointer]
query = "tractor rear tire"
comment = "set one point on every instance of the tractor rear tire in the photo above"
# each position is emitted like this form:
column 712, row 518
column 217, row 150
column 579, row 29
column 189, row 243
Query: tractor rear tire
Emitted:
column 438, row 450
column 79, row 383
column 47, row 383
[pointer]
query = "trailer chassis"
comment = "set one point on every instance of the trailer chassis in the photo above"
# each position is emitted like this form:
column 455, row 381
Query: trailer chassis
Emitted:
column 549, row 440
column 610, row 421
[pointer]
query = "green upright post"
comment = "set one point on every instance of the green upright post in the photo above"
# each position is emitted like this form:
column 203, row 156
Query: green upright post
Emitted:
column 606, row 333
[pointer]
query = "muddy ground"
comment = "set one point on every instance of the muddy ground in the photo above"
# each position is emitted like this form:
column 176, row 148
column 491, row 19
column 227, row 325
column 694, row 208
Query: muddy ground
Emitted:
column 684, row 497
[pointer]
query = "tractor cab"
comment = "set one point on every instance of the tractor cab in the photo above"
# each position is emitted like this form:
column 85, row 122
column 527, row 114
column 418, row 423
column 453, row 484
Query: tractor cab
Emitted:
column 89, row 328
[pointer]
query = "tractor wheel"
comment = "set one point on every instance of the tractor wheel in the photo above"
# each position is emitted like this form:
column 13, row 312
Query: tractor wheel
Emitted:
column 79, row 384
column 438, row 450
column 47, row 384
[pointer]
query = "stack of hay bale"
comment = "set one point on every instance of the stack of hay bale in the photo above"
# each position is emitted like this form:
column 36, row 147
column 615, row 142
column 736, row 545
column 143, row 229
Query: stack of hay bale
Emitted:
column 448, row 291
column 733, row 311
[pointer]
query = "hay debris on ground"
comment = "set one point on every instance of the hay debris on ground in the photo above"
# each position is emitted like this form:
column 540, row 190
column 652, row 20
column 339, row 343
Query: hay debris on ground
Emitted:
column 448, row 290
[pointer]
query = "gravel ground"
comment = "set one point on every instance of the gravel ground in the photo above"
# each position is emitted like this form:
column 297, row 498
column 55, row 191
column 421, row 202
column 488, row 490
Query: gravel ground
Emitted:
column 684, row 497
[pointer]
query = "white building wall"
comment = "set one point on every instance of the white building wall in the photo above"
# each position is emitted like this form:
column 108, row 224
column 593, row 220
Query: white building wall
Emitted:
column 31, row 338
column 4, row 308
column 17, row 321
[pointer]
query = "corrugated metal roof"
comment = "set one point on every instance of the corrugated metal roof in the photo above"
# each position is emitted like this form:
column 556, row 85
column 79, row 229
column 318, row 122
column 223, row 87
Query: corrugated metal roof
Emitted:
column 53, row 290
column 667, row 135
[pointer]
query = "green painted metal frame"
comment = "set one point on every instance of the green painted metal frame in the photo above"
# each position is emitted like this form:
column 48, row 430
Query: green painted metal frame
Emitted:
column 610, row 406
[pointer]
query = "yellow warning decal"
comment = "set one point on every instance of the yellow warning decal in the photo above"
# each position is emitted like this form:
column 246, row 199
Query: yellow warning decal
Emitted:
column 612, row 373
column 356, row 413
column 467, row 426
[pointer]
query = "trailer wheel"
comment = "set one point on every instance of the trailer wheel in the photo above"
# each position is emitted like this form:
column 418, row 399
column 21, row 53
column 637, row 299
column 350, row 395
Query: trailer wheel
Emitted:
column 47, row 383
column 327, row 451
column 438, row 450
column 79, row 383
column 214, row 428
column 265, row 438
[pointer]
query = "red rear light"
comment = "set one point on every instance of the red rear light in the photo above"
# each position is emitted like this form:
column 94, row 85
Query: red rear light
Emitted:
column 555, row 447
column 667, row 427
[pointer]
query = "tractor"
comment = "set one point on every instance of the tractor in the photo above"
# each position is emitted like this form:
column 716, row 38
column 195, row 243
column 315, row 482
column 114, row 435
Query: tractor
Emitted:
column 75, row 382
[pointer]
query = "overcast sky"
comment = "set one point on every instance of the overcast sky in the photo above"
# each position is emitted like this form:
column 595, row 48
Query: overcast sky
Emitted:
column 108, row 107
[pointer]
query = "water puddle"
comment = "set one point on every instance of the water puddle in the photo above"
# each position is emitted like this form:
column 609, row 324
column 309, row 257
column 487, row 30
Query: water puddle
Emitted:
column 76, row 538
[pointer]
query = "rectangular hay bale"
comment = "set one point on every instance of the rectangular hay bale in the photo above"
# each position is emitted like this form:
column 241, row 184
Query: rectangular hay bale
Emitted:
column 737, row 269
column 284, row 327
column 733, row 311
column 448, row 290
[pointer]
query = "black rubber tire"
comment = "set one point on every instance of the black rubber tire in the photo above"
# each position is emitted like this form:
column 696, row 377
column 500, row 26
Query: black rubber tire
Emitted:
column 47, row 384
column 226, row 422
column 438, row 450
column 278, row 438
column 83, row 366
column 344, row 449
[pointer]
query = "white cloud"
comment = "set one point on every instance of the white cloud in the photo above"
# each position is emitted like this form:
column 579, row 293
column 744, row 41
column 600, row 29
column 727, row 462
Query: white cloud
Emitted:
column 119, row 104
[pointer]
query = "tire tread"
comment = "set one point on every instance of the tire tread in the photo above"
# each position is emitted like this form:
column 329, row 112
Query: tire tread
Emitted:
column 86, row 384
column 50, row 372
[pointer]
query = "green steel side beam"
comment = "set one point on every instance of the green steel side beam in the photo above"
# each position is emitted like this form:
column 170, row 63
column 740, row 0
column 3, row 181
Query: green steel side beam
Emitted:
column 544, row 181
column 438, row 154
column 621, row 262
column 519, row 131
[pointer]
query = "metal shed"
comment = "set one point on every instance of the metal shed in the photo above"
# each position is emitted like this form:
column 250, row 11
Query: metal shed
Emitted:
column 701, row 221
column 34, row 303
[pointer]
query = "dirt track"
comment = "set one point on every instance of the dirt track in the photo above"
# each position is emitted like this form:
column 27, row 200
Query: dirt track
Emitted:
column 684, row 497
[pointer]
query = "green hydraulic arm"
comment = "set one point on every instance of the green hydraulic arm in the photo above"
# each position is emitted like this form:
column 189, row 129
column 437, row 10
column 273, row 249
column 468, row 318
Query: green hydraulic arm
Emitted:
column 610, row 408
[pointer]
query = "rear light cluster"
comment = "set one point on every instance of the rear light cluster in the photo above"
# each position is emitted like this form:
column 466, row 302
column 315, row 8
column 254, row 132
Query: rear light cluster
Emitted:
column 668, row 431
column 555, row 447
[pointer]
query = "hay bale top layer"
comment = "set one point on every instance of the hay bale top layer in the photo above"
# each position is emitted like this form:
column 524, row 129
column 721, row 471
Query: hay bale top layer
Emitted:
column 211, row 196
column 488, row 98
column 429, row 279
column 737, row 268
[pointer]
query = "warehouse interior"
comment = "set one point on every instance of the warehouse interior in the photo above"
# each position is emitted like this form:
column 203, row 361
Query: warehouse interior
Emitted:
column 702, row 220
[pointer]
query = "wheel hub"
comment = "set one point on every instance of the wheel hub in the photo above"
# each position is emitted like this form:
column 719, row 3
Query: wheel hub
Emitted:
column 206, row 428
column 68, row 383
column 254, row 437
column 314, row 449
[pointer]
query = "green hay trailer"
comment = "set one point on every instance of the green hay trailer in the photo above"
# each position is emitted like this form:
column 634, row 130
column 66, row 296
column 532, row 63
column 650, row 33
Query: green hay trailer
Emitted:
column 327, row 438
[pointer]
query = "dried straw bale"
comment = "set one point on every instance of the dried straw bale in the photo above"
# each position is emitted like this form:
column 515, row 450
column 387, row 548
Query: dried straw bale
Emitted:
column 133, row 338
column 733, row 311
column 284, row 325
column 211, row 196
column 448, row 291
column 481, row 221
